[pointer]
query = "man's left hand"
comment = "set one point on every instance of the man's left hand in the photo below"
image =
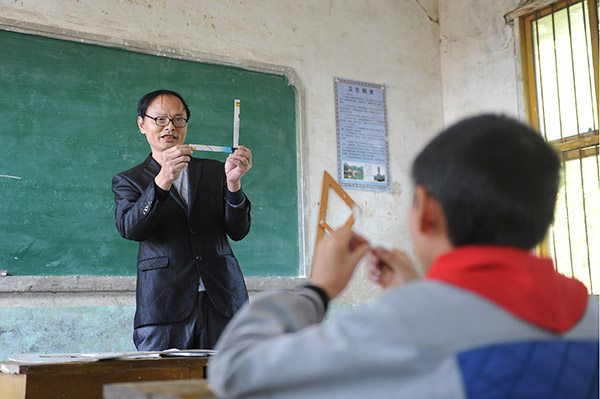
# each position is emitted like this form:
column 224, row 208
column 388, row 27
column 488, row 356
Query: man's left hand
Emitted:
column 236, row 166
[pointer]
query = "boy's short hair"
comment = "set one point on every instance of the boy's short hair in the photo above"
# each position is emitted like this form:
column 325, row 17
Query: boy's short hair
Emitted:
column 496, row 179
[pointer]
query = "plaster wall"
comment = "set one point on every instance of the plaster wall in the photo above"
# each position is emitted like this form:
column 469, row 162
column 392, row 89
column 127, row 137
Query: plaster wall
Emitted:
column 381, row 41
column 480, row 58
column 441, row 61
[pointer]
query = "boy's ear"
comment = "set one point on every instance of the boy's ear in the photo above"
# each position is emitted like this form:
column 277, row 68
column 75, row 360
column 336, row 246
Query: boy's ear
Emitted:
column 430, row 215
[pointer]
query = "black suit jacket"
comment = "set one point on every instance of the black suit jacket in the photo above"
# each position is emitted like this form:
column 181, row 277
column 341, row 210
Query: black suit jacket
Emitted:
column 177, row 245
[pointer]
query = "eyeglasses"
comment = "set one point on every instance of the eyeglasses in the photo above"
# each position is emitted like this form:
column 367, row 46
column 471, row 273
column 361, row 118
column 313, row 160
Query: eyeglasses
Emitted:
column 178, row 121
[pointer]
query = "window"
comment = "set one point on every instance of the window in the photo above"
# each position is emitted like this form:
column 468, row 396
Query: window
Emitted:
column 560, row 70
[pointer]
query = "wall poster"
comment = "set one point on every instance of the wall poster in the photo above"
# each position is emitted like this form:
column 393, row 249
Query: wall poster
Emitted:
column 362, row 135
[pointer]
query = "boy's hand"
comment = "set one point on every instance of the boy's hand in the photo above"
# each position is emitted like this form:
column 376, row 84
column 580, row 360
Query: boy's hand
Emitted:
column 390, row 269
column 336, row 258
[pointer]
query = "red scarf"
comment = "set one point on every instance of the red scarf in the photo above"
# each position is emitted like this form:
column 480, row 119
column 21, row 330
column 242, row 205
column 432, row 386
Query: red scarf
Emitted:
column 514, row 279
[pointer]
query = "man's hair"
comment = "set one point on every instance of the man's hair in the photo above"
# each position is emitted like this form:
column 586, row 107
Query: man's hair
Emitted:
column 148, row 98
column 496, row 180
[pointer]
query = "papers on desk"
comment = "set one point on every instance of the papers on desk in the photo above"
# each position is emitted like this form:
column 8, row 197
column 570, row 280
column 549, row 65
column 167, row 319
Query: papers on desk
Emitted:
column 94, row 357
column 187, row 353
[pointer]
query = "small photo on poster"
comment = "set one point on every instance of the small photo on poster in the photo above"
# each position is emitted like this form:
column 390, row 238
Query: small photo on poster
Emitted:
column 353, row 171
column 364, row 172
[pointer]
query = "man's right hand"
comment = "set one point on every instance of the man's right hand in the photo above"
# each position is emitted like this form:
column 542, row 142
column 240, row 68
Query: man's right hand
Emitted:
column 174, row 159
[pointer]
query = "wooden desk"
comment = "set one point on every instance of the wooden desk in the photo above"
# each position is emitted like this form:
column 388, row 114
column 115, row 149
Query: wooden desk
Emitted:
column 84, row 380
column 181, row 389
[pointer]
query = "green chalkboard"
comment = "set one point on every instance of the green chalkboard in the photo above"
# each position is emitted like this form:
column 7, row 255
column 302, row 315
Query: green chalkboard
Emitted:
column 68, row 113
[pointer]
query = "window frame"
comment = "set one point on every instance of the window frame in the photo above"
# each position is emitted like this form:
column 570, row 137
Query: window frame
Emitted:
column 573, row 147
column 529, row 81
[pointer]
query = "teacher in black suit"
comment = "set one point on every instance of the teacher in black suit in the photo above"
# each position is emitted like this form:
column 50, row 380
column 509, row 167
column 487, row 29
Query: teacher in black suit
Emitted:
column 181, row 210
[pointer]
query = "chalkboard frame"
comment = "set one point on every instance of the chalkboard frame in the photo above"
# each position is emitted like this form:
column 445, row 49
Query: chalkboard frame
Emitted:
column 201, row 57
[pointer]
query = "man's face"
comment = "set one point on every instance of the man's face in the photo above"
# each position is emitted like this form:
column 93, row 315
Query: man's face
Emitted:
column 161, row 138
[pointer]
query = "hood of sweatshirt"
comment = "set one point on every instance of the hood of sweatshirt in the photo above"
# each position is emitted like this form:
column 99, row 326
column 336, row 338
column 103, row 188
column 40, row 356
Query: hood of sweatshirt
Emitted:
column 523, row 284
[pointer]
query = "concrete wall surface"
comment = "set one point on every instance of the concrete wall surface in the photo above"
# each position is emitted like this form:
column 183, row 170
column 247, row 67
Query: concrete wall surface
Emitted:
column 480, row 56
column 439, row 60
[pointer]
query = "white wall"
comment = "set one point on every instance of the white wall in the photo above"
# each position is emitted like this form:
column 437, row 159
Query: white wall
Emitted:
column 435, row 72
column 480, row 55
column 382, row 41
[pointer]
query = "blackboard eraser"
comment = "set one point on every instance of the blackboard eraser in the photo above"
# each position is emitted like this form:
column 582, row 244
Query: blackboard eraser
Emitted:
column 3, row 273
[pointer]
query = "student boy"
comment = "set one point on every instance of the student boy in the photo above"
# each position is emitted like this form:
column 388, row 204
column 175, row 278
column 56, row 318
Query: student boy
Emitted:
column 489, row 318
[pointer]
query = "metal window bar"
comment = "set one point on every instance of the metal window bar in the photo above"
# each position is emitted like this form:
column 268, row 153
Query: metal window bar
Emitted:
column 585, row 221
column 556, row 72
column 566, row 191
column 573, row 66
column 541, row 108
column 554, row 251
column 597, row 168
column 587, row 35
